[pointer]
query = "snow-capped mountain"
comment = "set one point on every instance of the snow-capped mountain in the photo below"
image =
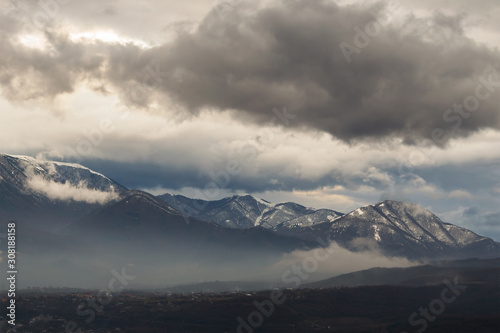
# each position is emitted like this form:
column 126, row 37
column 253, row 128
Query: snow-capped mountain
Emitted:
column 50, row 196
column 34, row 187
column 399, row 228
column 247, row 212
column 143, row 218
column 19, row 170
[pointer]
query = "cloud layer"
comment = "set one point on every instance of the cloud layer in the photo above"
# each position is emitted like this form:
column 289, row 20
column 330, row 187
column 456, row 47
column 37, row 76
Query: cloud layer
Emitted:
column 331, row 261
column 65, row 191
column 189, row 88
column 401, row 80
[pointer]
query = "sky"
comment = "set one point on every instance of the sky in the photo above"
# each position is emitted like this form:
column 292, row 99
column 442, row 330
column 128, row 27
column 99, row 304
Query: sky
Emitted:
column 331, row 104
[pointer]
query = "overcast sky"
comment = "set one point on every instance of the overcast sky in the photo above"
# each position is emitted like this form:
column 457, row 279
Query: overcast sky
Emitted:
column 328, row 104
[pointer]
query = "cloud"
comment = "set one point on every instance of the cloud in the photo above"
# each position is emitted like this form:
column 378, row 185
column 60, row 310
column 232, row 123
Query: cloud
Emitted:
column 483, row 219
column 492, row 219
column 66, row 191
column 256, row 58
column 460, row 194
column 335, row 260
column 220, row 75
column 471, row 211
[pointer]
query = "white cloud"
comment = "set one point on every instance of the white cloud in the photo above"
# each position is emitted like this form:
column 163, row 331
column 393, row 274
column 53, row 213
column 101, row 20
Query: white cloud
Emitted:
column 66, row 191
column 460, row 194
column 335, row 260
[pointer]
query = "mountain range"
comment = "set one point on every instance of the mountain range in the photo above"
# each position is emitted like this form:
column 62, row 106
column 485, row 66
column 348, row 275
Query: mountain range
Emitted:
column 76, row 212
column 245, row 211
column 467, row 271
column 399, row 229
column 483, row 271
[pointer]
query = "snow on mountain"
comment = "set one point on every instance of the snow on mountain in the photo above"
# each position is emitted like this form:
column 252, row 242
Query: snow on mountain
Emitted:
column 463, row 236
column 247, row 212
column 56, row 180
column 52, row 194
column 399, row 228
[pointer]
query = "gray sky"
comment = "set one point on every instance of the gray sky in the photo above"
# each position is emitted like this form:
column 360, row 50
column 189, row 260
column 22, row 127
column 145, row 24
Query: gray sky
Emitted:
column 329, row 104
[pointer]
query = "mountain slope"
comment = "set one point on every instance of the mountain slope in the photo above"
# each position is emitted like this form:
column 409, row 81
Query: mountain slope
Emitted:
column 50, row 195
column 17, row 170
column 402, row 229
column 246, row 212
column 50, row 191
column 467, row 271
column 140, row 218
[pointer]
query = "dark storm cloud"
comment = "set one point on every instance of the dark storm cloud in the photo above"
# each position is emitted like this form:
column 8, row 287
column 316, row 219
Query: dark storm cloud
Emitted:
column 492, row 219
column 471, row 211
column 482, row 219
column 150, row 175
column 474, row 176
column 146, row 175
column 254, row 59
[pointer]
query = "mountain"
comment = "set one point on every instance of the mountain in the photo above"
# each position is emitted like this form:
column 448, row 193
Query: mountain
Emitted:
column 397, row 228
column 49, row 191
column 19, row 171
column 472, row 270
column 247, row 212
column 139, row 217
column 77, row 221
column 401, row 229
column 466, row 271
column 145, row 234
column 75, row 225
column 70, row 200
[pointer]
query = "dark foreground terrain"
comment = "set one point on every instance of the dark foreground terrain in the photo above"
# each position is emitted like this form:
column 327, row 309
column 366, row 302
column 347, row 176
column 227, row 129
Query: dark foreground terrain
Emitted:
column 436, row 308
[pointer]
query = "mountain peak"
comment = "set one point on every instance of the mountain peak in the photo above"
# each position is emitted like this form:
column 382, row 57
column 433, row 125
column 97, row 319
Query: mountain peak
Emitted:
column 39, row 164
column 55, row 181
column 401, row 228
column 250, row 197
column 246, row 211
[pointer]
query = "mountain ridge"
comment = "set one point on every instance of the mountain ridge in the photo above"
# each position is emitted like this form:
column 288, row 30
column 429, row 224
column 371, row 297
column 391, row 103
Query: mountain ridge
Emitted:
column 432, row 273
column 401, row 229
column 69, row 193
column 245, row 211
